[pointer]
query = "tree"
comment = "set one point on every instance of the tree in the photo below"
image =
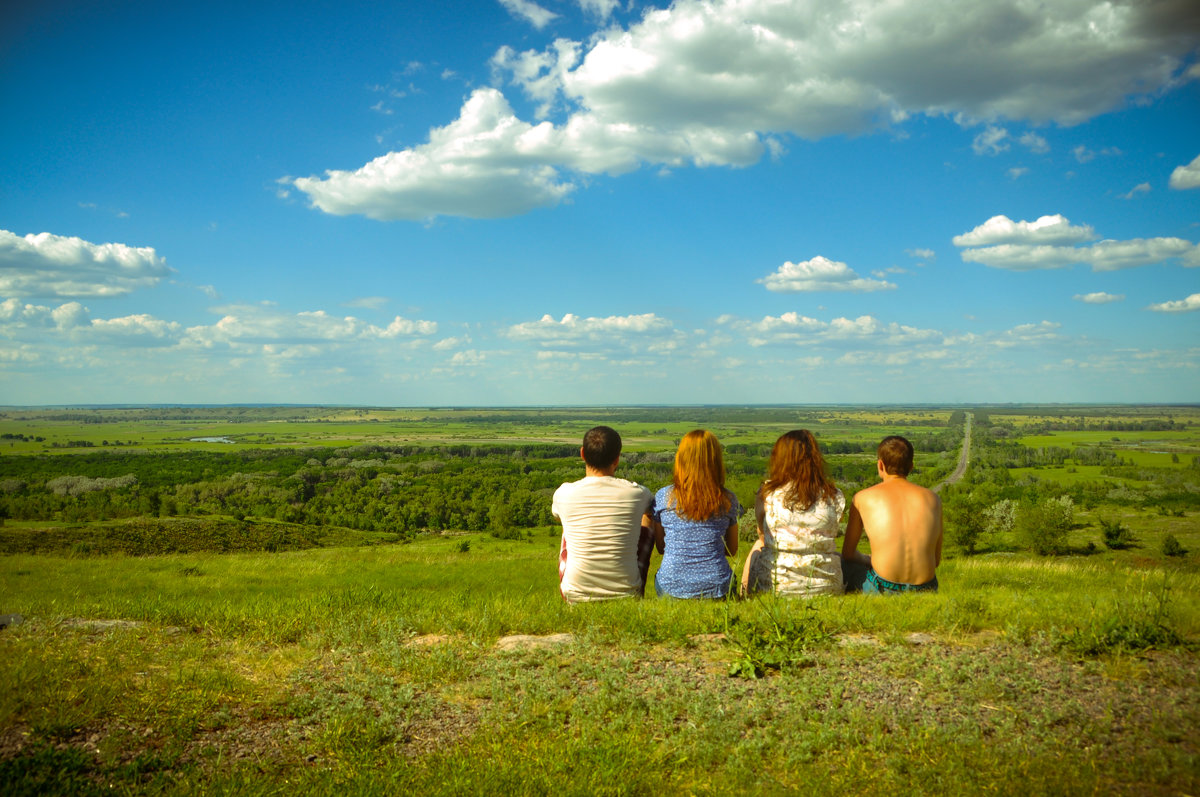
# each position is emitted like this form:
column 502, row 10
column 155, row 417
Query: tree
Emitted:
column 965, row 522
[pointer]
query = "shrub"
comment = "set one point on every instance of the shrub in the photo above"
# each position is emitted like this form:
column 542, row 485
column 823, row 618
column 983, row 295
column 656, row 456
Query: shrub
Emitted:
column 1116, row 534
column 1171, row 546
column 1001, row 517
column 1044, row 525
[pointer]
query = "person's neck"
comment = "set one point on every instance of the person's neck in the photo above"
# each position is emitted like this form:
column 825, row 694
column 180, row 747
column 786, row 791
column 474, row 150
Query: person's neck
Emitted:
column 893, row 477
column 590, row 471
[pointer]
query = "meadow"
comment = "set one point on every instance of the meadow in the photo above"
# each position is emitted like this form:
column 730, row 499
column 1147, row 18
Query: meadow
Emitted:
column 325, row 658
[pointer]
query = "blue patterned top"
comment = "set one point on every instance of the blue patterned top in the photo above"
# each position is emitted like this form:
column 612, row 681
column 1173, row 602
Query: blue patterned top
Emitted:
column 693, row 563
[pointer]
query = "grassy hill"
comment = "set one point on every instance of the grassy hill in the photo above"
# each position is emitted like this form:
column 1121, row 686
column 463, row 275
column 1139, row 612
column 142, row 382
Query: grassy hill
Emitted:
column 376, row 670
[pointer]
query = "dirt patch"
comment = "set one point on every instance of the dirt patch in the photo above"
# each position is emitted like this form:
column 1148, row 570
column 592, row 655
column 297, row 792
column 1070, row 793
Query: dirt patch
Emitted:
column 99, row 625
column 527, row 642
column 429, row 640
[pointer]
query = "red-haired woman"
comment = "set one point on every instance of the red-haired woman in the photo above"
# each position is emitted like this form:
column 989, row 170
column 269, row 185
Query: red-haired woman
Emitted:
column 695, row 523
column 797, row 509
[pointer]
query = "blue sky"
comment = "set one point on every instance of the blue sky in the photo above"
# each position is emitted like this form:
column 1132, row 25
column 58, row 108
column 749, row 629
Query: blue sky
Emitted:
column 592, row 202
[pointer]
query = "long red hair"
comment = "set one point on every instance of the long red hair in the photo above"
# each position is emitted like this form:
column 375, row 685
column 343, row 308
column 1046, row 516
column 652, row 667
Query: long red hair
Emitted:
column 798, row 469
column 699, row 477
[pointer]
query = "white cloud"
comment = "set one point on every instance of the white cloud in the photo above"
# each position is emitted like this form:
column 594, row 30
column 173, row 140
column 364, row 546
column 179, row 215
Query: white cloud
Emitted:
column 1044, row 244
column 1084, row 155
column 530, row 12
column 1100, row 297
column 468, row 358
column 368, row 302
column 1029, row 334
column 135, row 329
column 1017, row 171
column 1034, row 143
column 1054, row 229
column 539, row 74
column 482, row 165
column 1182, row 306
column 992, row 141
column 74, row 322
column 924, row 254
column 445, row 344
column 1102, row 256
column 572, row 330
column 820, row 274
column 253, row 325
column 1113, row 255
column 795, row 329
column 1185, row 177
column 705, row 82
column 601, row 9
column 54, row 265
column 71, row 315
column 1140, row 188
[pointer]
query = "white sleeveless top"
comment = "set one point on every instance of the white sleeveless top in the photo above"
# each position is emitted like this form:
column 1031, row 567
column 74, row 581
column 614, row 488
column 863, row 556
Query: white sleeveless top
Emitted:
column 800, row 554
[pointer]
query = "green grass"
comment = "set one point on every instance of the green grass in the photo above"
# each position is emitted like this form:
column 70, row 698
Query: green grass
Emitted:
column 374, row 669
column 297, row 671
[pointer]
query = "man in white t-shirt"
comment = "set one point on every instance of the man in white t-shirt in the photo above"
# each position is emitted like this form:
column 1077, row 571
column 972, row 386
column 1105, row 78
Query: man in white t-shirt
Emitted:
column 606, row 539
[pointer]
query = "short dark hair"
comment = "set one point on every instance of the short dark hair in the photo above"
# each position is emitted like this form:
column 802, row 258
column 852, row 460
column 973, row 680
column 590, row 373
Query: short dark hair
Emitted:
column 896, row 453
column 601, row 446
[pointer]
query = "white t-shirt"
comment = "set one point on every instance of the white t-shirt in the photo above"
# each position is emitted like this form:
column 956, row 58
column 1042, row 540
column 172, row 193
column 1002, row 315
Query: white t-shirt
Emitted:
column 602, row 520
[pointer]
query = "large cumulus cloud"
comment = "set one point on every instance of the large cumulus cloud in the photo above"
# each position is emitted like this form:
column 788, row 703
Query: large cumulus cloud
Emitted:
column 45, row 264
column 710, row 82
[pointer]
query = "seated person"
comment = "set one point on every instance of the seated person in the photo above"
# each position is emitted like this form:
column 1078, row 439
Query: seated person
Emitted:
column 695, row 523
column 902, row 521
column 606, row 539
column 797, row 510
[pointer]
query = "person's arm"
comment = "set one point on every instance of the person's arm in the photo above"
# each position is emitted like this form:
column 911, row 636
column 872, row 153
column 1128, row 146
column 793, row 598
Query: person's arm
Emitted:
column 937, row 519
column 854, row 531
column 648, row 528
column 760, row 516
column 731, row 538
column 660, row 537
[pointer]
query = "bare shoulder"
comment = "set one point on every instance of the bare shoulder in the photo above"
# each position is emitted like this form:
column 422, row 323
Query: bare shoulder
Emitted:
column 866, row 495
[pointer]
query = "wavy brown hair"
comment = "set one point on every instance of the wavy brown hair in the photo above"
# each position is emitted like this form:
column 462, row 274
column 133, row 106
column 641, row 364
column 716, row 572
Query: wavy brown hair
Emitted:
column 798, row 469
column 699, row 477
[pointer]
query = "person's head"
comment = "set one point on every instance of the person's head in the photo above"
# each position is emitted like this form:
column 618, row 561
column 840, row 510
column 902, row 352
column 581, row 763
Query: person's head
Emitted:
column 896, row 455
column 699, row 476
column 601, row 447
column 797, row 467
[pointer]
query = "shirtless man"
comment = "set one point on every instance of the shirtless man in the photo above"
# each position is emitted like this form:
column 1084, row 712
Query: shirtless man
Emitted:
column 903, row 522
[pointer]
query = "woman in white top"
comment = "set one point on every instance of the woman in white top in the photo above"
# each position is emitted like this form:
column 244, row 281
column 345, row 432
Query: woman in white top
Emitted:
column 797, row 509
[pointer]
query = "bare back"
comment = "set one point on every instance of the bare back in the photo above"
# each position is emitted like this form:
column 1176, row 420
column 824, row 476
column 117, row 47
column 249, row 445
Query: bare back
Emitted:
column 903, row 521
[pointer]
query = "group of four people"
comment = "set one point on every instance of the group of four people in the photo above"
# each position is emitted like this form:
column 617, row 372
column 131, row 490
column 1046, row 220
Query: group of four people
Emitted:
column 611, row 525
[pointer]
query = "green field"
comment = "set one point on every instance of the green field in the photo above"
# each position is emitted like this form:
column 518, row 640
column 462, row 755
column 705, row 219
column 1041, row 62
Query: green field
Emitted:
column 313, row 614
column 376, row 671
column 642, row 428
